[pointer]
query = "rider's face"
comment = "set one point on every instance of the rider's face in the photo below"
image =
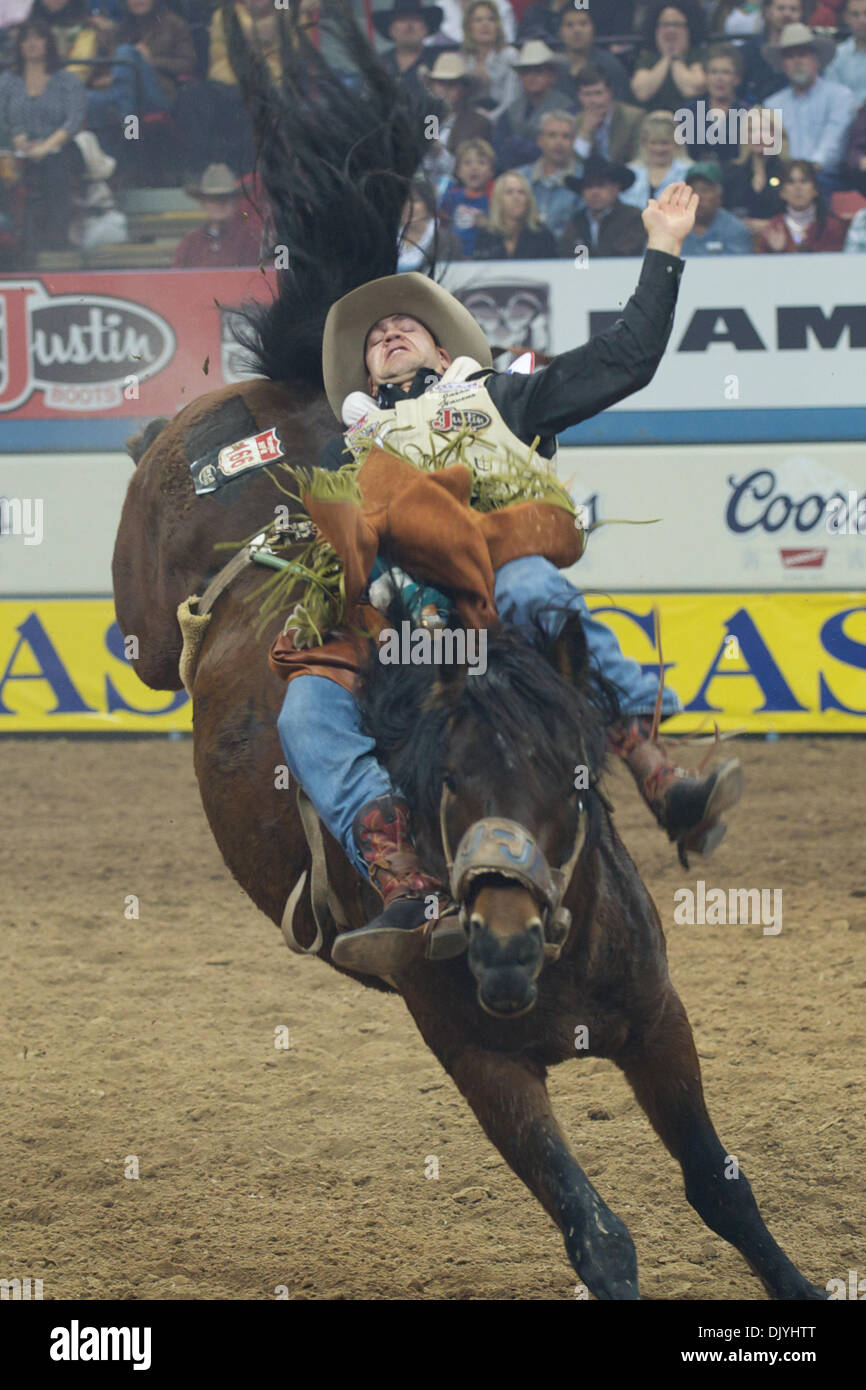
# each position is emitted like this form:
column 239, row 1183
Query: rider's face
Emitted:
column 397, row 346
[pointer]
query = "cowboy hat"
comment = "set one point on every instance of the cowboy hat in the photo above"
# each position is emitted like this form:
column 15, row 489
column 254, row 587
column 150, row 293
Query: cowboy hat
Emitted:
column 217, row 181
column 349, row 322
column 449, row 67
column 408, row 9
column 598, row 170
column 535, row 54
column 798, row 36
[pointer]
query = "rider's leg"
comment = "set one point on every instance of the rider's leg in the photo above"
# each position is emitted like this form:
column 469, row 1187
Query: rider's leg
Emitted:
column 334, row 761
column 687, row 807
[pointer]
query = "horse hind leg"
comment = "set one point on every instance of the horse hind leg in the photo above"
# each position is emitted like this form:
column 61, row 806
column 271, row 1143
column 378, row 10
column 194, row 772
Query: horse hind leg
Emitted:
column 510, row 1099
column 664, row 1072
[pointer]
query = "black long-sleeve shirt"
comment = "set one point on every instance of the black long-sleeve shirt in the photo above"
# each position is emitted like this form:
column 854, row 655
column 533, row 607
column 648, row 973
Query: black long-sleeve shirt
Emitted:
column 578, row 384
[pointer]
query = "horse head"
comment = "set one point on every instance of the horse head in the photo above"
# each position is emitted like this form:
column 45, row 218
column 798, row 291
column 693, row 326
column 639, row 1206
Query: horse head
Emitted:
column 498, row 770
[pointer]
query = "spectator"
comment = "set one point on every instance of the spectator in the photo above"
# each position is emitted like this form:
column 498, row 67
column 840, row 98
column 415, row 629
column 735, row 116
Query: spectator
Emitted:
column 489, row 57
column 515, row 135
column 210, row 115
column 605, row 126
column 542, row 20
column 738, row 18
column 754, row 178
column 421, row 244
column 669, row 69
column 97, row 220
column 452, row 85
column 855, row 241
column 41, row 109
column 153, row 49
column 67, row 19
column 453, row 22
column 659, row 162
column 228, row 236
column 606, row 226
column 515, row 231
column 805, row 224
column 816, row 113
column 855, row 155
column 580, row 51
column 465, row 207
column 716, row 232
column 849, row 64
column 724, row 68
column 93, row 46
column 827, row 14
column 406, row 25
column 761, row 77
column 549, row 177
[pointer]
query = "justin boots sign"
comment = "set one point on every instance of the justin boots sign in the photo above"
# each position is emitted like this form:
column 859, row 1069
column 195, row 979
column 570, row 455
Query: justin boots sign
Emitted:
column 80, row 351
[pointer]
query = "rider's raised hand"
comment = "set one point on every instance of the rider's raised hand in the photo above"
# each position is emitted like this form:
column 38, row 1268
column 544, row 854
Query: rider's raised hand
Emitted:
column 669, row 218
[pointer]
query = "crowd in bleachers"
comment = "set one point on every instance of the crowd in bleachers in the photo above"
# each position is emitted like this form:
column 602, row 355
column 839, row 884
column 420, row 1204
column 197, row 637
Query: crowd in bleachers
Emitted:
column 549, row 123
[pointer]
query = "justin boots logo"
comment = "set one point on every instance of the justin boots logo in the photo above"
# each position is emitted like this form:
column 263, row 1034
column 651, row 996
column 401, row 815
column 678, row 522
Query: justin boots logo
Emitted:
column 79, row 350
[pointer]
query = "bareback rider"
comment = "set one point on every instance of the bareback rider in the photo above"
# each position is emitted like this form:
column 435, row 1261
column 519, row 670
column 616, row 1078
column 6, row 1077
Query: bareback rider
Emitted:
column 404, row 340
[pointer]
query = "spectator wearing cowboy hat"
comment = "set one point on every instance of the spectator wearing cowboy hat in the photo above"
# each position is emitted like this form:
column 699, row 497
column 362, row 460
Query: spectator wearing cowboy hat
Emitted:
column 551, row 176
column 606, row 226
column 452, row 85
column 406, row 26
column 228, row 236
column 816, row 113
column 716, row 232
column 605, row 126
column 515, row 136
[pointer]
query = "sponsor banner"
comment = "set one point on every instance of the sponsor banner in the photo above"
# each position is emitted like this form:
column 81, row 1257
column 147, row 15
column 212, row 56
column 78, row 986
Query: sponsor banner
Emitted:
column 791, row 663
column 758, row 517
column 750, row 357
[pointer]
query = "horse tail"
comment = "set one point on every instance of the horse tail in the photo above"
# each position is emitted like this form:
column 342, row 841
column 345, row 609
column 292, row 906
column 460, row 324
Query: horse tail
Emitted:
column 336, row 152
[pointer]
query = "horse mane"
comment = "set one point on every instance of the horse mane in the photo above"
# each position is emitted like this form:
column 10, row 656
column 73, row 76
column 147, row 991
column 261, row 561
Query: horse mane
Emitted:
column 336, row 152
column 409, row 711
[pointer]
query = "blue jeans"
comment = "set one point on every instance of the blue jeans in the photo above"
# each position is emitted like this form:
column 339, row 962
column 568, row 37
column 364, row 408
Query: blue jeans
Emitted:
column 336, row 764
column 133, row 90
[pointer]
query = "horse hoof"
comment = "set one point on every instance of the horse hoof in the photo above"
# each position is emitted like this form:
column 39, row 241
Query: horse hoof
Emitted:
column 379, row 950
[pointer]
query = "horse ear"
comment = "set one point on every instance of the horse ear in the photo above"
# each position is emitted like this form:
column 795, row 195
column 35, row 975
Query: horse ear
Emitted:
column 569, row 650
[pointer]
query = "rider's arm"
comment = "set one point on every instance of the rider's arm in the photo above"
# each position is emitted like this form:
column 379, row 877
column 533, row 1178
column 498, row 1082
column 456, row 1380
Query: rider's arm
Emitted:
column 614, row 364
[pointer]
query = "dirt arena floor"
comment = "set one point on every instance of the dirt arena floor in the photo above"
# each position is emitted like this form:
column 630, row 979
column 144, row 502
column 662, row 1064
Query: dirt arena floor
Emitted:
column 152, row 1041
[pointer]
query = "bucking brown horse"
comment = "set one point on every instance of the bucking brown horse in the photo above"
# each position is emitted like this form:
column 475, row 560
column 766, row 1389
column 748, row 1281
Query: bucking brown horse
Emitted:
column 566, row 956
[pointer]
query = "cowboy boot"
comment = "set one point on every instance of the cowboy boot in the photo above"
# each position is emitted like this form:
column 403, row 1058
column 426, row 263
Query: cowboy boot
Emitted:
column 403, row 931
column 686, row 805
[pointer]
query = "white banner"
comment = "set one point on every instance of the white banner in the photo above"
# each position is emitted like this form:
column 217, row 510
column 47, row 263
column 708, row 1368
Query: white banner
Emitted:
column 755, row 517
column 753, row 335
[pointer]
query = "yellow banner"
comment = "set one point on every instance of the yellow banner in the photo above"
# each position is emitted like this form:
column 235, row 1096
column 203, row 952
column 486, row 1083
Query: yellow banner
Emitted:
column 784, row 662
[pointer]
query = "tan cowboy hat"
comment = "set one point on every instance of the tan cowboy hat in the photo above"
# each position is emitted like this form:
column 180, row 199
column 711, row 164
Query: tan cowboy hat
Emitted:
column 449, row 67
column 349, row 321
column 798, row 36
column 535, row 54
column 217, row 181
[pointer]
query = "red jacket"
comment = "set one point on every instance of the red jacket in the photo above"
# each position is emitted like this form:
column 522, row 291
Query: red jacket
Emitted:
column 831, row 239
column 225, row 244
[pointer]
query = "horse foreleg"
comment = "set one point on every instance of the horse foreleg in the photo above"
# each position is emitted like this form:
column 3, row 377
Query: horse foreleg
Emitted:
column 663, row 1070
column 510, row 1099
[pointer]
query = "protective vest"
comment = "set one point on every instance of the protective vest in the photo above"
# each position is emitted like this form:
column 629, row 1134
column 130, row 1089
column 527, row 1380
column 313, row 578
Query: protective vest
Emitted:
column 451, row 409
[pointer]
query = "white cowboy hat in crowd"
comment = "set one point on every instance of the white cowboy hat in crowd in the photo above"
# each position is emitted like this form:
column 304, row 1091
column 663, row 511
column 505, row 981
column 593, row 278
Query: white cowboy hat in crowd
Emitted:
column 449, row 67
column 798, row 36
column 349, row 322
column 217, row 181
column 535, row 54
